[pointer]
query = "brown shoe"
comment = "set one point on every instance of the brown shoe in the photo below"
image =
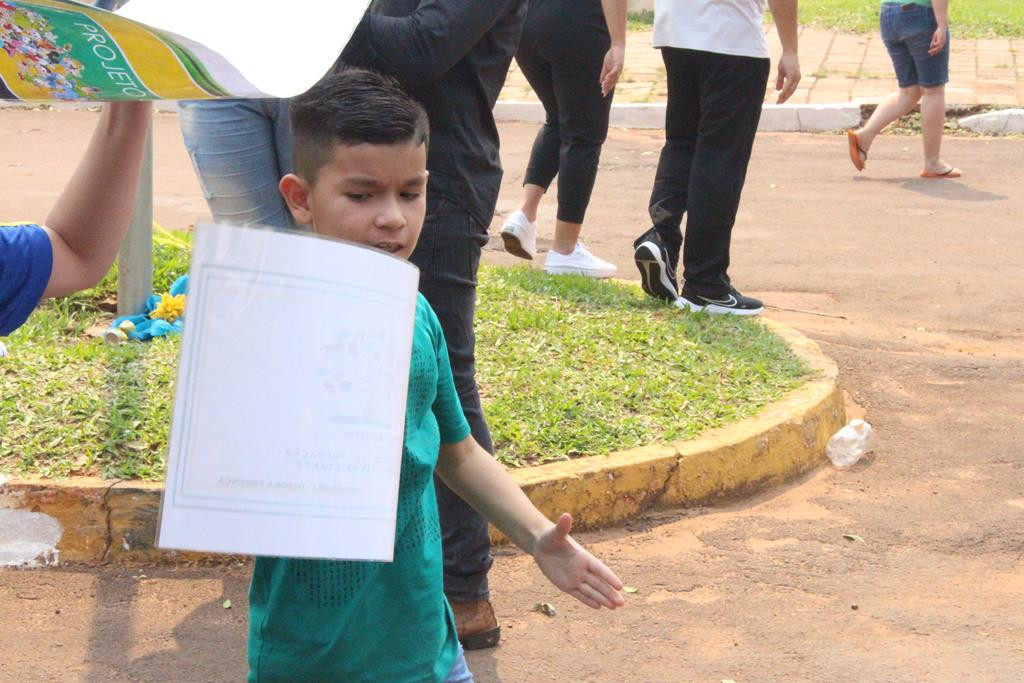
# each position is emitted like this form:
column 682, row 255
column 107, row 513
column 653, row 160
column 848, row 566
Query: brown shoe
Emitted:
column 476, row 624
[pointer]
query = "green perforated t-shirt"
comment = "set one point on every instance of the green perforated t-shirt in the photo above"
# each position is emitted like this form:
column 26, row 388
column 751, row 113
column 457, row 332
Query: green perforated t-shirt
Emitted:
column 321, row 620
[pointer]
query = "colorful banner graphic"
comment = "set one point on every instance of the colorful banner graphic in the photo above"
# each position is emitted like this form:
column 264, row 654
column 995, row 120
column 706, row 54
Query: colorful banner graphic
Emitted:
column 61, row 50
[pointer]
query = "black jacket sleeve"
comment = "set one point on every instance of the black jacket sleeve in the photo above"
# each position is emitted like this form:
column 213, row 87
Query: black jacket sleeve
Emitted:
column 423, row 46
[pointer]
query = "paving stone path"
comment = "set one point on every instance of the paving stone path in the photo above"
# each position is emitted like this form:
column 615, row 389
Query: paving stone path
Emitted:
column 837, row 67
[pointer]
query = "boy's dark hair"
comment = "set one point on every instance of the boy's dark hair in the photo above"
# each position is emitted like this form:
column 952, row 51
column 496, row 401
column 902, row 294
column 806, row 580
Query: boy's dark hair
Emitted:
column 352, row 107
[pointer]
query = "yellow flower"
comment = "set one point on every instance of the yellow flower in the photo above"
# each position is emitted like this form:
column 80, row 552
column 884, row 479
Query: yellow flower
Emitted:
column 170, row 307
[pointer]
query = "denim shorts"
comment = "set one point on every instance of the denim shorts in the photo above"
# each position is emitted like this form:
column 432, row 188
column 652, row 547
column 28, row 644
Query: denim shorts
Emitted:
column 907, row 31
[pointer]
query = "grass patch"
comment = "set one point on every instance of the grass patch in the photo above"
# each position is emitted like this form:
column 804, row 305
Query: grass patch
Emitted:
column 567, row 366
column 72, row 405
column 972, row 19
column 640, row 21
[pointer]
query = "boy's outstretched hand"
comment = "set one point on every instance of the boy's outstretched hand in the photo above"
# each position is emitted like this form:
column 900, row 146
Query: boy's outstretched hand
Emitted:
column 481, row 481
column 574, row 570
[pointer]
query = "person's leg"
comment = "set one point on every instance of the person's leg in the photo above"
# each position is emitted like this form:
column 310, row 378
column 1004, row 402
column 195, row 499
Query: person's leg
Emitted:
column 670, row 194
column 656, row 252
column 234, row 151
column 933, row 120
column 566, row 236
column 731, row 94
column 460, row 672
column 934, row 73
column 543, row 163
column 577, row 59
column 519, row 231
column 532, row 194
column 903, row 101
column 448, row 256
column 277, row 112
column 894, row 106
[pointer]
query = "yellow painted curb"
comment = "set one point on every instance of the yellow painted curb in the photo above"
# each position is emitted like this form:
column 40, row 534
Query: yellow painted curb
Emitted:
column 105, row 520
column 101, row 519
column 785, row 439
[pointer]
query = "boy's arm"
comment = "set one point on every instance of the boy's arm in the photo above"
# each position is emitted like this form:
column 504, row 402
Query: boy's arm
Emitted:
column 423, row 46
column 481, row 481
column 784, row 12
column 89, row 220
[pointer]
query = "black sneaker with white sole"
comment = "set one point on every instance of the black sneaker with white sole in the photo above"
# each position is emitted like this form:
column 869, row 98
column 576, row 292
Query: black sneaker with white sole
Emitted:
column 657, row 276
column 732, row 303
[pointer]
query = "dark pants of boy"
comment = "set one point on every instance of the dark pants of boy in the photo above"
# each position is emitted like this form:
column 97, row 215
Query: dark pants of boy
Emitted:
column 448, row 255
column 714, row 105
column 561, row 53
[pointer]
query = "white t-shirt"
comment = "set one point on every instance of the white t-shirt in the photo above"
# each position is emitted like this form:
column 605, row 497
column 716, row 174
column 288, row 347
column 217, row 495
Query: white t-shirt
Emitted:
column 730, row 27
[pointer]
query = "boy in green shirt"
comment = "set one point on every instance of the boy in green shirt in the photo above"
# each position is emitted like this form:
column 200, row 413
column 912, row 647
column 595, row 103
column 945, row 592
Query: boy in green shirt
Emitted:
column 360, row 151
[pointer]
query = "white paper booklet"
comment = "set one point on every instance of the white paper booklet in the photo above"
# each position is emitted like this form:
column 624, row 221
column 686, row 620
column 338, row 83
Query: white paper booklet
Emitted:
column 290, row 407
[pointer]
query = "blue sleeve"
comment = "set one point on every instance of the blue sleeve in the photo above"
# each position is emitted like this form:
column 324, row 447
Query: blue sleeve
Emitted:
column 447, row 407
column 26, row 259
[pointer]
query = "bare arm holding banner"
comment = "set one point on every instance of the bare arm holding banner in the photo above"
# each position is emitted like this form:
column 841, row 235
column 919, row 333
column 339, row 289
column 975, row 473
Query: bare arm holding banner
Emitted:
column 90, row 218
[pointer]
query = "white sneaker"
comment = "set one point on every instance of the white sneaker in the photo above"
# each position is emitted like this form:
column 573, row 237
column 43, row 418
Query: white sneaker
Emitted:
column 579, row 262
column 519, row 235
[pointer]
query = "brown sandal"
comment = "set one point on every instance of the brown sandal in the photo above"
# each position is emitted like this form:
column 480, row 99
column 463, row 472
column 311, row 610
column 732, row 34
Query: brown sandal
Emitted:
column 857, row 155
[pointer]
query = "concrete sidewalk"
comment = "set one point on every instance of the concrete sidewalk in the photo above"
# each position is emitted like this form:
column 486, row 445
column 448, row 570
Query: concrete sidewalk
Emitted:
column 837, row 67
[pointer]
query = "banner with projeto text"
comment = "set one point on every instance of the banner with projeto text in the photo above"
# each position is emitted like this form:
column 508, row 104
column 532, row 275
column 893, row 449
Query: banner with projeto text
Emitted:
column 60, row 50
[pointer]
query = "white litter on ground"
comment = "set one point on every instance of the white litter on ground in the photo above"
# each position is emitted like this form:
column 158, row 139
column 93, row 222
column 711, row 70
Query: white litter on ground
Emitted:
column 28, row 539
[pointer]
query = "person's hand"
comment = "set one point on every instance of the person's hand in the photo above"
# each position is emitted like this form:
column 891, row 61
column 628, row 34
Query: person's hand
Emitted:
column 938, row 40
column 789, row 76
column 612, row 68
column 574, row 570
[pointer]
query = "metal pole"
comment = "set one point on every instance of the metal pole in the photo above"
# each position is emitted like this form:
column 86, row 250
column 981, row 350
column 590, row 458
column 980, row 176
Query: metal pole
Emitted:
column 135, row 259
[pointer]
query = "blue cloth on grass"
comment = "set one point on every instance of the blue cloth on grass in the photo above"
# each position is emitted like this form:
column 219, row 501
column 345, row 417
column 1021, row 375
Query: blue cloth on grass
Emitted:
column 147, row 328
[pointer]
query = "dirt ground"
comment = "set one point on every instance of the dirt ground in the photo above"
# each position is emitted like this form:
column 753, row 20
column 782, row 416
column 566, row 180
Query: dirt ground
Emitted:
column 927, row 278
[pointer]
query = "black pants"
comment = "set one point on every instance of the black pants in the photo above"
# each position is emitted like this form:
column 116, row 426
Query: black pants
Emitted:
column 561, row 53
column 714, row 104
column 448, row 256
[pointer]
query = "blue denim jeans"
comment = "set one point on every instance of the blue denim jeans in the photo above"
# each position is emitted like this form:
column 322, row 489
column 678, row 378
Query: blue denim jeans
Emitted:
column 448, row 256
column 460, row 672
column 907, row 31
column 240, row 149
